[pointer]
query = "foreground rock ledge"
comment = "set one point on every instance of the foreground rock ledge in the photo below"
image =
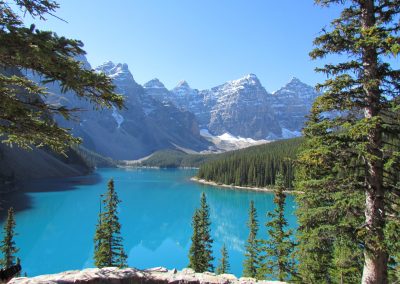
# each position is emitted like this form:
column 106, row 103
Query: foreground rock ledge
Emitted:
column 157, row 275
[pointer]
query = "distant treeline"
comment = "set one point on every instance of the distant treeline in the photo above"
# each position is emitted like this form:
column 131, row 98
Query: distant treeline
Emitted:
column 93, row 159
column 254, row 166
column 176, row 159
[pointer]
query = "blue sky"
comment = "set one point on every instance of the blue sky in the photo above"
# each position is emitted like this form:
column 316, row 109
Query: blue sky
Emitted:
column 206, row 42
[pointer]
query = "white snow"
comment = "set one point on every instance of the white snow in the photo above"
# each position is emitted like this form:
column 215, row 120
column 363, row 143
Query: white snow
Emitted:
column 118, row 118
column 228, row 142
column 229, row 137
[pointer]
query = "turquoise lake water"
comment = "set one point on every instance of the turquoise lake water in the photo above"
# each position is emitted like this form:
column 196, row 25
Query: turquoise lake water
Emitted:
column 56, row 219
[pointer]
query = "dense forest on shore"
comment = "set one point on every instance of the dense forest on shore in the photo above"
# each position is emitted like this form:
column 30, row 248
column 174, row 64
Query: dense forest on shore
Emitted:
column 254, row 166
column 176, row 159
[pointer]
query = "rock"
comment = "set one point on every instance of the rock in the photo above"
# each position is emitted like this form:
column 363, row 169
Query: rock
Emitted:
column 188, row 271
column 157, row 275
column 230, row 277
column 157, row 269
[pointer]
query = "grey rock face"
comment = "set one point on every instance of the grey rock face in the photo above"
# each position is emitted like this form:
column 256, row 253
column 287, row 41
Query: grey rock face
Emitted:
column 243, row 107
column 156, row 275
column 145, row 124
column 292, row 103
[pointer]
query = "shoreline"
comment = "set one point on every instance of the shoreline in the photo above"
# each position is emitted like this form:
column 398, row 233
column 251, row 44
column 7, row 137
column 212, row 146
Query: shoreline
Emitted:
column 252, row 188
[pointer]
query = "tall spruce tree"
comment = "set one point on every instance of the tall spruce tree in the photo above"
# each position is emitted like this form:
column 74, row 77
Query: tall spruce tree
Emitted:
column 200, row 254
column 8, row 246
column 349, row 166
column 252, row 264
column 223, row 265
column 279, row 247
column 205, row 229
column 24, row 115
column 109, row 250
column 196, row 248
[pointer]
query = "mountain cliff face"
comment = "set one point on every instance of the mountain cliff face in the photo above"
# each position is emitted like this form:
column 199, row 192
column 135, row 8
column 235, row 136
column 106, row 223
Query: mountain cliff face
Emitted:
column 157, row 118
column 292, row 103
column 243, row 107
column 17, row 164
column 145, row 124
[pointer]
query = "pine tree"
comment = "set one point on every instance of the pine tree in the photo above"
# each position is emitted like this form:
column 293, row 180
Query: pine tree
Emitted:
column 223, row 266
column 205, row 229
column 109, row 250
column 252, row 263
column 200, row 254
column 8, row 246
column 349, row 166
column 279, row 246
column 196, row 248
column 24, row 114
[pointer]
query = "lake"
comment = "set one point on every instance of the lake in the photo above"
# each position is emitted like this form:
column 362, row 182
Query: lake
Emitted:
column 56, row 219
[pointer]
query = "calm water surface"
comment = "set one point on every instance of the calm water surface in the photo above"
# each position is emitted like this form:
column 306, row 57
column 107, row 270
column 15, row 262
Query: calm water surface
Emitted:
column 56, row 219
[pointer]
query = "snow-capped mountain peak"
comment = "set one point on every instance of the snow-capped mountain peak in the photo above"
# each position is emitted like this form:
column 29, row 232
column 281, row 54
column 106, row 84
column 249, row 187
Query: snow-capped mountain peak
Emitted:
column 182, row 84
column 154, row 84
column 249, row 79
column 117, row 72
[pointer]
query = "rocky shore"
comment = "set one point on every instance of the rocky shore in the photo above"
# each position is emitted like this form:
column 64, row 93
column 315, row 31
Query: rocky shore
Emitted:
column 263, row 189
column 158, row 275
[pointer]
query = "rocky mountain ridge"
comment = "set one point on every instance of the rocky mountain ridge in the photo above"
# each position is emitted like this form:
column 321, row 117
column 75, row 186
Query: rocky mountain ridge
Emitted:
column 243, row 107
column 156, row 118
column 144, row 126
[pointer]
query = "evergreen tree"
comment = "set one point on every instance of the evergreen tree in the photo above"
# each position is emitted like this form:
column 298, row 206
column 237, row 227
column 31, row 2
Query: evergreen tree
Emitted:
column 109, row 250
column 253, row 166
column 223, row 266
column 252, row 263
column 196, row 248
column 205, row 229
column 349, row 165
column 279, row 246
column 200, row 254
column 8, row 246
column 24, row 115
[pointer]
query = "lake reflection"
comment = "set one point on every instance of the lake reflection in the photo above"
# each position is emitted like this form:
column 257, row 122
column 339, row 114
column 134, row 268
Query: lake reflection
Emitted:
column 56, row 219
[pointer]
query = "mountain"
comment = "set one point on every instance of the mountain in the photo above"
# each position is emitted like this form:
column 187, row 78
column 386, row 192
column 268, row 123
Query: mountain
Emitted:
column 242, row 107
column 144, row 126
column 291, row 104
column 17, row 164
column 156, row 118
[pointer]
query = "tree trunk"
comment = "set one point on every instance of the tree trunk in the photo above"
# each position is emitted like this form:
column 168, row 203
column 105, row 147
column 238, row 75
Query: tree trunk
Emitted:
column 376, row 257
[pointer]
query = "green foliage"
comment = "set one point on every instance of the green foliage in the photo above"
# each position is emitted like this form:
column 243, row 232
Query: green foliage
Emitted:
column 252, row 264
column 176, row 159
column 8, row 246
column 349, row 165
column 109, row 250
column 200, row 253
column 254, row 166
column 196, row 249
column 93, row 159
column 279, row 247
column 223, row 266
column 25, row 119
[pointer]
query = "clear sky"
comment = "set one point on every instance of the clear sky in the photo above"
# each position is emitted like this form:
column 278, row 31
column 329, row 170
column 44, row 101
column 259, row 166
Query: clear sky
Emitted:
column 205, row 42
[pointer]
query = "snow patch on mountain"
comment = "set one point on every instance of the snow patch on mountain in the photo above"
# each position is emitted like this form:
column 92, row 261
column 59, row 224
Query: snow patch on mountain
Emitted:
column 118, row 118
column 229, row 142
